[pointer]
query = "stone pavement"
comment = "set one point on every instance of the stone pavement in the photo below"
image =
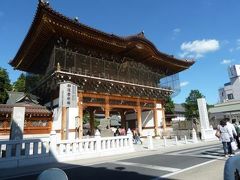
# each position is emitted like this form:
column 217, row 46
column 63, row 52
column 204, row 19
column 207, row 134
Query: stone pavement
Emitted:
column 202, row 172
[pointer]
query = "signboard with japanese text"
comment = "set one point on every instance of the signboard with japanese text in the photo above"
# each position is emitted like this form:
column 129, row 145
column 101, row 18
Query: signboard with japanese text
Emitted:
column 68, row 95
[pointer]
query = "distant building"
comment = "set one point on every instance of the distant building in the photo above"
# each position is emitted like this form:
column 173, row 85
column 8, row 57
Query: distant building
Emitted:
column 229, row 95
column 178, row 115
column 179, row 112
column 231, row 90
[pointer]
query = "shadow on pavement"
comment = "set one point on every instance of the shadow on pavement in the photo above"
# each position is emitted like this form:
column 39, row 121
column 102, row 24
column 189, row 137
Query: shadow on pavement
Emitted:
column 77, row 172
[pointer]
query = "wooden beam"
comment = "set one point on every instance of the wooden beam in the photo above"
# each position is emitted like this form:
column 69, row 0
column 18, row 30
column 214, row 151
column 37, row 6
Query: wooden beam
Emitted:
column 80, row 115
column 155, row 118
column 107, row 108
column 64, row 124
column 139, row 118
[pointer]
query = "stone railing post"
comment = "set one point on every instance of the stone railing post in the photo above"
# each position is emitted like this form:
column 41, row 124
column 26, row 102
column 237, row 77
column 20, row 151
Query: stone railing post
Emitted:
column 164, row 141
column 53, row 143
column 176, row 140
column 130, row 137
column 185, row 138
column 194, row 136
column 98, row 140
column 150, row 141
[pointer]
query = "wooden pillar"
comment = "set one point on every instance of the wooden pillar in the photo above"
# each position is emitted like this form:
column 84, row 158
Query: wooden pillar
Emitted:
column 107, row 107
column 80, row 115
column 155, row 119
column 91, row 121
column 64, row 124
column 139, row 117
column 123, row 119
column 163, row 118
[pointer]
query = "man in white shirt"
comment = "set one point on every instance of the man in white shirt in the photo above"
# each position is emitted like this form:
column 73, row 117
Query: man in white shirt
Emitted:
column 232, row 133
column 231, row 128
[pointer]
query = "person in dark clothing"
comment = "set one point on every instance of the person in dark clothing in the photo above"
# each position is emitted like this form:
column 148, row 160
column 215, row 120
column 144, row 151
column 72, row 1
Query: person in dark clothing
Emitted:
column 136, row 136
column 117, row 133
column 236, row 137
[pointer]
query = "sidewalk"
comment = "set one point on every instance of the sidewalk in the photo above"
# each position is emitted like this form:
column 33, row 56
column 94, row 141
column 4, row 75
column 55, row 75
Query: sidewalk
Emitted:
column 140, row 150
column 214, row 171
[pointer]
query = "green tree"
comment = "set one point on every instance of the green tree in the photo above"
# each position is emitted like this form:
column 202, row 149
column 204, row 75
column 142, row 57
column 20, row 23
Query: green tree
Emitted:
column 191, row 107
column 169, row 106
column 86, row 119
column 19, row 85
column 5, row 85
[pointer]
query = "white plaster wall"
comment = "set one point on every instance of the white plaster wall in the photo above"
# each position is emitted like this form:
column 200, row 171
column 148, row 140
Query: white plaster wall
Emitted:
column 57, row 117
column 159, row 117
column 72, row 113
column 147, row 119
column 71, row 135
column 236, row 89
column 145, row 132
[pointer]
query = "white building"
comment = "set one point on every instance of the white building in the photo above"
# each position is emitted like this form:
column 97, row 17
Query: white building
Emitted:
column 229, row 95
column 231, row 90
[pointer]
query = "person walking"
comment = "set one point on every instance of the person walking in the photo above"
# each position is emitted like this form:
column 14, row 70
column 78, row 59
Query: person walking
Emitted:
column 237, row 131
column 225, row 137
column 232, row 131
column 136, row 136
column 231, row 127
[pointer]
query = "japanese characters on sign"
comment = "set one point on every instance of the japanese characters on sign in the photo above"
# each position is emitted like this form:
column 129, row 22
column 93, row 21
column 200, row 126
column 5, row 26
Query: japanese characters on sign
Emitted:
column 68, row 95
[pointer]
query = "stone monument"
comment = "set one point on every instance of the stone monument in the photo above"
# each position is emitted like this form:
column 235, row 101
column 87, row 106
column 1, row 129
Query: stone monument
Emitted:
column 104, row 128
column 206, row 130
column 17, row 123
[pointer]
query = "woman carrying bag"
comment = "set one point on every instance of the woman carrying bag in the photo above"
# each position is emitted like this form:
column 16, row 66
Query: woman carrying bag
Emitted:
column 226, row 138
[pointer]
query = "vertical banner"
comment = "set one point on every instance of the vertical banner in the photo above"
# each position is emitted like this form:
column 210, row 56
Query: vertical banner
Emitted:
column 68, row 95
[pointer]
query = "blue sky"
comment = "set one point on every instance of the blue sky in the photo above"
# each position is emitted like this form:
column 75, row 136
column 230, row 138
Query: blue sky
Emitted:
column 206, row 30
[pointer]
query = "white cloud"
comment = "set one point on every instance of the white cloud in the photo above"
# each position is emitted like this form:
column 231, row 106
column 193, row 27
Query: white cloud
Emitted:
column 238, row 42
column 226, row 61
column 198, row 48
column 176, row 30
column 184, row 83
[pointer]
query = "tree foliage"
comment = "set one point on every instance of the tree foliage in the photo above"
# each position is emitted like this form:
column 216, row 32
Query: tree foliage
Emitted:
column 5, row 85
column 86, row 119
column 169, row 106
column 191, row 107
column 19, row 85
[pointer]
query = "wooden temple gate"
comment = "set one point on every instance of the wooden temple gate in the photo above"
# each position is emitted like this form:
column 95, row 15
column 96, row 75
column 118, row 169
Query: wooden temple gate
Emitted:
column 111, row 72
column 120, row 104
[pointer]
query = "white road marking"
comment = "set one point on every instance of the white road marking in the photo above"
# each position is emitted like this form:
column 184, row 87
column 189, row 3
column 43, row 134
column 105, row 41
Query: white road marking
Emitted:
column 186, row 169
column 161, row 168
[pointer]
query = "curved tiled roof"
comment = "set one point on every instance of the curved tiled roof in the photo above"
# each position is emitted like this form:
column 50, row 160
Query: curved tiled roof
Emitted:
column 47, row 23
column 30, row 109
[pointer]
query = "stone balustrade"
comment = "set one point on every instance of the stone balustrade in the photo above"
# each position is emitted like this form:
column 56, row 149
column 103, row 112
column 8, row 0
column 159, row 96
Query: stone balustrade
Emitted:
column 17, row 153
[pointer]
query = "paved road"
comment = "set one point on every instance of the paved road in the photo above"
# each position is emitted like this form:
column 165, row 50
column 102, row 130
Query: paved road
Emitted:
column 156, row 166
